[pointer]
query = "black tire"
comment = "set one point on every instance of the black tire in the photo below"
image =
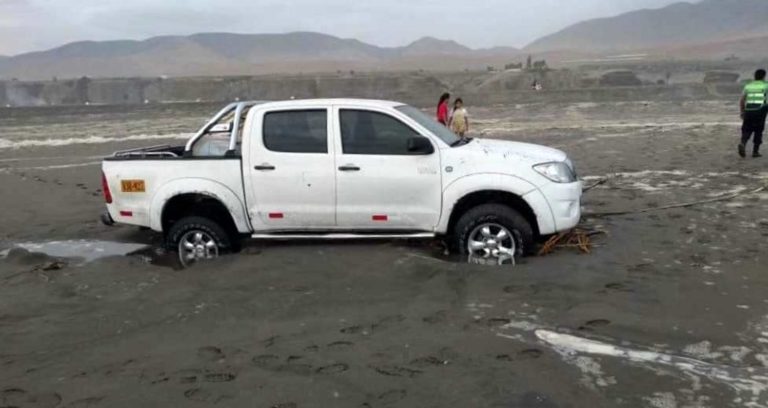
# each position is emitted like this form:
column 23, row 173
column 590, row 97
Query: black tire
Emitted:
column 185, row 225
column 498, row 214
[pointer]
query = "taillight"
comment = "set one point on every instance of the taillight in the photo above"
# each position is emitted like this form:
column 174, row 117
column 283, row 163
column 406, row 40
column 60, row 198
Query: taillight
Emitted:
column 105, row 189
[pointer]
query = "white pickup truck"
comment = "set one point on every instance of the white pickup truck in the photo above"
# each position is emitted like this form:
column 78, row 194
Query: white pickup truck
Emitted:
column 341, row 169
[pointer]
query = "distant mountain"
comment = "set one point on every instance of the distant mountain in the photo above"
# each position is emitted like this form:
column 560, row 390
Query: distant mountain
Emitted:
column 677, row 25
column 433, row 46
column 298, row 46
column 235, row 54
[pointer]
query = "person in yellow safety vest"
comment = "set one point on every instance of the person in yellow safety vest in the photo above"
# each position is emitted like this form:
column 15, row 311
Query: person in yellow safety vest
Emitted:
column 754, row 109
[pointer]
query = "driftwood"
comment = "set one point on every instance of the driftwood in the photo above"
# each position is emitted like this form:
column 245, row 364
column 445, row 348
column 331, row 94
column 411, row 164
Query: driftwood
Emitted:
column 577, row 238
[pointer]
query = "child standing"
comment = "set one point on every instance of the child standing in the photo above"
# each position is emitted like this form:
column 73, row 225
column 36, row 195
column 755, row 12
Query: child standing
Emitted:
column 460, row 119
column 442, row 109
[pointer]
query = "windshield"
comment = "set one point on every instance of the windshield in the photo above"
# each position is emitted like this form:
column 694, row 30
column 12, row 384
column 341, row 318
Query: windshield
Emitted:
column 431, row 124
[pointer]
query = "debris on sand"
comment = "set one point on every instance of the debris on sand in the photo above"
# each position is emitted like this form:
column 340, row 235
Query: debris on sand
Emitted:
column 53, row 266
column 578, row 238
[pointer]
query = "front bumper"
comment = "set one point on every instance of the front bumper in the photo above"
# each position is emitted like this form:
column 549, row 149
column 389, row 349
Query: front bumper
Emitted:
column 564, row 203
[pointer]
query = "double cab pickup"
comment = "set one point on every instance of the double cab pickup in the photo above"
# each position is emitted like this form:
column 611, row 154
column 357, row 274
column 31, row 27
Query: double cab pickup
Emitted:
column 341, row 169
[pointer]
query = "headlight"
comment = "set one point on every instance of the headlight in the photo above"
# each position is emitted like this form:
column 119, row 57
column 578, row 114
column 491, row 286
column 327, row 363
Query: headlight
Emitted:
column 570, row 164
column 559, row 172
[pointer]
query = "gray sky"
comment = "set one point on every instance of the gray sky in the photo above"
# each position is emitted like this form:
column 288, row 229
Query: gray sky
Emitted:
column 27, row 25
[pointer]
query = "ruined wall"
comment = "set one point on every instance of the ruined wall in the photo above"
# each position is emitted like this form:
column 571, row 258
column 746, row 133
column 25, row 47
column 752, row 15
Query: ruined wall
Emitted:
column 620, row 78
column 151, row 90
column 417, row 88
column 721, row 77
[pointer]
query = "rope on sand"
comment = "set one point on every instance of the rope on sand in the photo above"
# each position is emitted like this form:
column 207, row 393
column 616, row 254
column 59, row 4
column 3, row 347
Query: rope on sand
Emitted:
column 597, row 184
column 581, row 238
column 726, row 197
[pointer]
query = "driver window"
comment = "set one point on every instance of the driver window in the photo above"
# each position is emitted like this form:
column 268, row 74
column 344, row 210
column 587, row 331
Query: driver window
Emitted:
column 373, row 133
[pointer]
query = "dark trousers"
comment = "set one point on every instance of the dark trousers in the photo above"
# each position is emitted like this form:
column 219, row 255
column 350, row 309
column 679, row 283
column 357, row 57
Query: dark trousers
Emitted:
column 754, row 124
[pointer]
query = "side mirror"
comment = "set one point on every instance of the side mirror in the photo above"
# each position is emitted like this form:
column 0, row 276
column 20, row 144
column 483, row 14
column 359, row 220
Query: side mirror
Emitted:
column 420, row 145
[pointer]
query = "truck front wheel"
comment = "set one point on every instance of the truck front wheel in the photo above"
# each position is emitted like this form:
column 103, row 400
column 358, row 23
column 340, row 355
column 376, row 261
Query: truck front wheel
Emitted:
column 493, row 233
column 197, row 239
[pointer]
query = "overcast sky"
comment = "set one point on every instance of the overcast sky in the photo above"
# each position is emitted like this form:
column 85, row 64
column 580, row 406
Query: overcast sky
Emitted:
column 27, row 25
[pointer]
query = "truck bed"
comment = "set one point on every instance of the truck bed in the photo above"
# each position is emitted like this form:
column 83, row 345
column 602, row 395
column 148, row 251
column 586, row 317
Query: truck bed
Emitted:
column 151, row 152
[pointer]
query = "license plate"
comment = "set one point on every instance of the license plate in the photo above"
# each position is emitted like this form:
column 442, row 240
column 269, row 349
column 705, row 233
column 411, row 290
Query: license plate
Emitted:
column 133, row 186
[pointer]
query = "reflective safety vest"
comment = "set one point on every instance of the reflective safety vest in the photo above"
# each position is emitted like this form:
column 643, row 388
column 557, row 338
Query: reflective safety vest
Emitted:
column 756, row 92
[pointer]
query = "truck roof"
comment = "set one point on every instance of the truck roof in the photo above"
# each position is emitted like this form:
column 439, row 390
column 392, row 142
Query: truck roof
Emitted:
column 331, row 101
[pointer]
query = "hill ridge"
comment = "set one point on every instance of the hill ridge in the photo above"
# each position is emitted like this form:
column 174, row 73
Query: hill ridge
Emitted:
column 224, row 53
column 678, row 24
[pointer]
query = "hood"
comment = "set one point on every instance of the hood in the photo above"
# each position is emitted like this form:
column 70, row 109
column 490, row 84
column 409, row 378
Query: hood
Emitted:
column 527, row 152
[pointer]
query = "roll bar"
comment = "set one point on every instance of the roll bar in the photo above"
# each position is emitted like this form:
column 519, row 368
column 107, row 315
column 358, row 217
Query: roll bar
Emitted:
column 238, row 107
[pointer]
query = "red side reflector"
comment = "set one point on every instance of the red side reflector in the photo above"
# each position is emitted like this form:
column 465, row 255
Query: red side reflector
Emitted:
column 126, row 213
column 380, row 218
column 276, row 216
column 105, row 189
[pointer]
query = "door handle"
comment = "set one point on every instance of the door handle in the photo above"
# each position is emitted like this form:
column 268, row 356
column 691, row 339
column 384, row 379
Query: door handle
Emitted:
column 264, row 167
column 349, row 167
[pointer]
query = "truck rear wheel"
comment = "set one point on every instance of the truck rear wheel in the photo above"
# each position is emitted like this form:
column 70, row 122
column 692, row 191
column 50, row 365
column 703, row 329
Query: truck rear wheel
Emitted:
column 197, row 239
column 493, row 233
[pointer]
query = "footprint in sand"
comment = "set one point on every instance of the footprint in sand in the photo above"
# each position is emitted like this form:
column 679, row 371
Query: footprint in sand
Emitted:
column 498, row 321
column 219, row 377
column 285, row 405
column 206, row 396
column 523, row 355
column 390, row 397
column 267, row 361
column 594, row 324
column 210, row 353
column 17, row 397
column 618, row 287
column 333, row 369
column 437, row 317
column 340, row 345
column 396, row 371
column 85, row 403
column 428, row 361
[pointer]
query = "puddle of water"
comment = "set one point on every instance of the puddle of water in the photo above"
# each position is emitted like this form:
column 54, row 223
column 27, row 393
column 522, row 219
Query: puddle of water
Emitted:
column 158, row 257
column 91, row 250
column 476, row 260
column 434, row 251
column 471, row 260
column 440, row 253
column 86, row 250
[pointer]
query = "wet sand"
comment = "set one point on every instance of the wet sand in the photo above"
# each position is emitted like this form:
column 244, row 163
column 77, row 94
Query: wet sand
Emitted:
column 669, row 311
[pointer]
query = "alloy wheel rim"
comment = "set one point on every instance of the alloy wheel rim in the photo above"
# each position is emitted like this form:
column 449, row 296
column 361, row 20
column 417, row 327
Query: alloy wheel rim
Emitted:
column 196, row 246
column 492, row 242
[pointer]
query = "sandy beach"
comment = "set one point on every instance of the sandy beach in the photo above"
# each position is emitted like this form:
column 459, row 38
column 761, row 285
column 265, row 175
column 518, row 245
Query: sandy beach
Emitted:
column 670, row 310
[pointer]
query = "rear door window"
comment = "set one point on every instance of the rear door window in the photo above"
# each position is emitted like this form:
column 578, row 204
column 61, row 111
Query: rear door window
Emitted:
column 300, row 131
